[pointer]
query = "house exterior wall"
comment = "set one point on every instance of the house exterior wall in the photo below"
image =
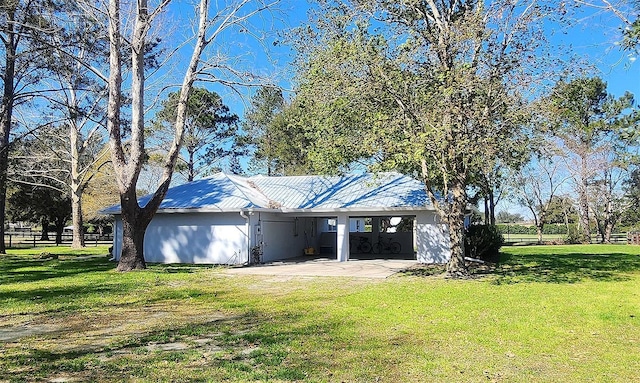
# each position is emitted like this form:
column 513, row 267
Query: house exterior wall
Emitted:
column 117, row 238
column 227, row 238
column 432, row 239
column 216, row 238
column 283, row 236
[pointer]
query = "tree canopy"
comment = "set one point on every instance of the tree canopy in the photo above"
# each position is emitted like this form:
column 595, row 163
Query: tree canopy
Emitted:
column 433, row 89
column 210, row 130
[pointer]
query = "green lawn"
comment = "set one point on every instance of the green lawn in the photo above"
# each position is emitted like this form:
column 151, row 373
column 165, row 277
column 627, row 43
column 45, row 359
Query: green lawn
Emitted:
column 546, row 314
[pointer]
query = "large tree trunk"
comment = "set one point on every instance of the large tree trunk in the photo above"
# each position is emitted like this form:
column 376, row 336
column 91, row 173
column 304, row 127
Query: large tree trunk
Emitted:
column 6, row 115
column 456, row 267
column 60, row 221
column 76, row 217
column 128, row 164
column 133, row 217
column 486, row 210
column 608, row 230
column 44, row 222
column 133, row 231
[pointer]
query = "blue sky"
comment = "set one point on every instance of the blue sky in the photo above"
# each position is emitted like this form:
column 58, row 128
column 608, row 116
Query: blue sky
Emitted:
column 593, row 37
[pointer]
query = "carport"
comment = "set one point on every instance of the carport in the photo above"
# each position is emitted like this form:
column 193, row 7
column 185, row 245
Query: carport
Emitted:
column 234, row 220
column 336, row 234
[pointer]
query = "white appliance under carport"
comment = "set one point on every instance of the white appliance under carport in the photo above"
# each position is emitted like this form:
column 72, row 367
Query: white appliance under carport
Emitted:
column 230, row 219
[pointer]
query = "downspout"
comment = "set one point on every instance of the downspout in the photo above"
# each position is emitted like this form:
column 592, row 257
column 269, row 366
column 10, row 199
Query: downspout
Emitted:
column 247, row 226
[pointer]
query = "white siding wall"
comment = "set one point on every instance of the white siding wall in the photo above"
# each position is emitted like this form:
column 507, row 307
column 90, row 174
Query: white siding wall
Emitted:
column 117, row 238
column 223, row 238
column 432, row 239
column 218, row 238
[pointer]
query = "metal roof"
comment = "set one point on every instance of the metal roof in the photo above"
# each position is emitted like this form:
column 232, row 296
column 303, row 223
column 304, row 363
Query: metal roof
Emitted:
column 224, row 192
column 389, row 190
column 221, row 192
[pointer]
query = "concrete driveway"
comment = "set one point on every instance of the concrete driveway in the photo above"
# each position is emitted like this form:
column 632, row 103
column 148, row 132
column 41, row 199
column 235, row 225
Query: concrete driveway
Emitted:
column 322, row 267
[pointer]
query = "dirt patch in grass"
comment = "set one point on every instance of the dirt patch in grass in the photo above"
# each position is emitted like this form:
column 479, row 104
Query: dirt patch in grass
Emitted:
column 69, row 345
column 93, row 331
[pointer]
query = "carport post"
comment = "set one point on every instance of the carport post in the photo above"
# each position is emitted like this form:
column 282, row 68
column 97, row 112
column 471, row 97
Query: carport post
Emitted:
column 342, row 238
column 375, row 230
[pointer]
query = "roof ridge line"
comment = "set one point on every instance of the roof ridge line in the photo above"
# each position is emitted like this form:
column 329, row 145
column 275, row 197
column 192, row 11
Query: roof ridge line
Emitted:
column 242, row 191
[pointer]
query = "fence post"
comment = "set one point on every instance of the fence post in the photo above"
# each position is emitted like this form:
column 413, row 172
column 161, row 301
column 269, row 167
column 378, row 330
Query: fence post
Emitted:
column 34, row 241
column 9, row 240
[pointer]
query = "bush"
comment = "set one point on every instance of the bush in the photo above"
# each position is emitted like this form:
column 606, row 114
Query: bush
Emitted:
column 483, row 242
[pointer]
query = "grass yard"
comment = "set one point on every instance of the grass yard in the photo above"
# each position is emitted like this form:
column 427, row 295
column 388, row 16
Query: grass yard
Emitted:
column 546, row 314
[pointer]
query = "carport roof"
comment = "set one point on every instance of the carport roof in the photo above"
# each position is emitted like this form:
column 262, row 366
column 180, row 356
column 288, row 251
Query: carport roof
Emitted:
column 225, row 192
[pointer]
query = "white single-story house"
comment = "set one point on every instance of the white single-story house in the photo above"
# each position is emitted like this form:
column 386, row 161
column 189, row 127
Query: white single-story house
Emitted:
column 230, row 219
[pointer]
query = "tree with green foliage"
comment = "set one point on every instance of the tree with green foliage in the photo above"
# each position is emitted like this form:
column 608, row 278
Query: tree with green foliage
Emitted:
column 434, row 90
column 274, row 135
column 266, row 105
column 22, row 59
column 595, row 131
column 40, row 204
column 631, row 200
column 507, row 217
column 209, row 134
column 562, row 211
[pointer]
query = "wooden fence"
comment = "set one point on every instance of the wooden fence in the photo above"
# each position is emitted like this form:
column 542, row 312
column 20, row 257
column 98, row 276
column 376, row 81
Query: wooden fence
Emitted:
column 616, row 238
column 28, row 238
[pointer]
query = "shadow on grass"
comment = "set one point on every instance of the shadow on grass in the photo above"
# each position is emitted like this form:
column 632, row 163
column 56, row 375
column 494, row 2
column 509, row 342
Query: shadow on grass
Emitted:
column 244, row 347
column 89, row 282
column 569, row 267
column 565, row 268
column 21, row 269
